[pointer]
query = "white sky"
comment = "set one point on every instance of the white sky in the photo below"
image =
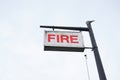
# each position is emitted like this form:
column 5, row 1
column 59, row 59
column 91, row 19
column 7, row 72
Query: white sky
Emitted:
column 21, row 40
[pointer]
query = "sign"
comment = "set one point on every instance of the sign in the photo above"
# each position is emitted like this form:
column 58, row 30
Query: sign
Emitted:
column 63, row 41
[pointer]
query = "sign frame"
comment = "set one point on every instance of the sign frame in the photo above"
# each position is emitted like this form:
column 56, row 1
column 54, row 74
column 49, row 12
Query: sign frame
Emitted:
column 66, row 47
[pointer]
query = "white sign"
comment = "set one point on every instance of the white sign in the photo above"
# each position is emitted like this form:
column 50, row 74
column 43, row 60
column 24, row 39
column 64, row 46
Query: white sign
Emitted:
column 63, row 41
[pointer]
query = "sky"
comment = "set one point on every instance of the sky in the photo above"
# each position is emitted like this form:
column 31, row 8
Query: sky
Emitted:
column 22, row 55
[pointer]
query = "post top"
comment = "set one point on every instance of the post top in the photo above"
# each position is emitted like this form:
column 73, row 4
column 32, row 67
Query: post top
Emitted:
column 90, row 21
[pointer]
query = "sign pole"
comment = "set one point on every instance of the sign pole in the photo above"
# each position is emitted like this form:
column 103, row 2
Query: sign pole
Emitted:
column 100, row 69
column 96, row 52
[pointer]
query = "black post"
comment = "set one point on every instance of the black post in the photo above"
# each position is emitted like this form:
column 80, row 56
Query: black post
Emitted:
column 96, row 52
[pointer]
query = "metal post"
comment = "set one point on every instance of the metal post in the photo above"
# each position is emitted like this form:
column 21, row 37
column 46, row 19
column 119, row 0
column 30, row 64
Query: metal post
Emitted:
column 96, row 52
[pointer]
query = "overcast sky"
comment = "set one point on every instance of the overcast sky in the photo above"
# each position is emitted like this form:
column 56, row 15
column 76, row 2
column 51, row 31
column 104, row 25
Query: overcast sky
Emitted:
column 22, row 55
